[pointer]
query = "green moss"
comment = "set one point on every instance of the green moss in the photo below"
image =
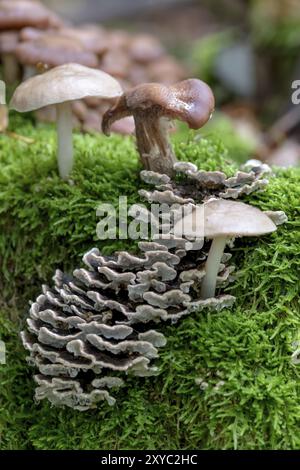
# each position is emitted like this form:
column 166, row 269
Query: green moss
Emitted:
column 46, row 223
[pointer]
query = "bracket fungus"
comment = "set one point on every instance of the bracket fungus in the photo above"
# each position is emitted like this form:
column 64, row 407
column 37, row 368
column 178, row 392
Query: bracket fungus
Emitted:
column 152, row 105
column 60, row 86
column 220, row 220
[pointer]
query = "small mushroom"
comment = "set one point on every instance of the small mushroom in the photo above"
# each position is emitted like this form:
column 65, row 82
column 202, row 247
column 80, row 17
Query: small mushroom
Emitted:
column 152, row 105
column 221, row 220
column 60, row 86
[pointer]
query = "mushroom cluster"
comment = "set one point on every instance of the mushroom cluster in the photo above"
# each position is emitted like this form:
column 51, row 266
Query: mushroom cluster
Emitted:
column 32, row 39
column 99, row 323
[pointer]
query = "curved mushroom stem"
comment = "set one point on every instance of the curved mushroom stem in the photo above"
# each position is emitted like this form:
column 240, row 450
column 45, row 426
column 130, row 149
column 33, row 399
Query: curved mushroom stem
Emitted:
column 10, row 68
column 64, row 139
column 208, row 287
column 153, row 143
column 152, row 135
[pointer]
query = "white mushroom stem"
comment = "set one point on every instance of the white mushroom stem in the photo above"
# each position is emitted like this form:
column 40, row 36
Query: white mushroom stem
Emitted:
column 10, row 68
column 208, row 287
column 64, row 139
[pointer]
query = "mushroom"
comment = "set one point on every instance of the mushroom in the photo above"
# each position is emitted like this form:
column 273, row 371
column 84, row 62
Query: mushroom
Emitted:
column 152, row 105
column 53, row 49
column 144, row 48
column 8, row 43
column 221, row 220
column 93, row 38
column 166, row 70
column 60, row 86
column 20, row 13
column 116, row 63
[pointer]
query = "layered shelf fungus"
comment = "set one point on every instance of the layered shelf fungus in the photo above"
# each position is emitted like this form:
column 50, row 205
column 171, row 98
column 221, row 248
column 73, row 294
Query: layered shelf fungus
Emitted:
column 93, row 327
column 60, row 87
column 152, row 106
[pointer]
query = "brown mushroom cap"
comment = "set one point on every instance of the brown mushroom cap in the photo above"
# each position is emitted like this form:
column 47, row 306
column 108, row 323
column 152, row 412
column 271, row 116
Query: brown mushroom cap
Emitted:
column 20, row 13
column 116, row 63
column 191, row 101
column 166, row 70
column 195, row 102
column 92, row 38
column 30, row 33
column 145, row 49
column 118, row 39
column 53, row 50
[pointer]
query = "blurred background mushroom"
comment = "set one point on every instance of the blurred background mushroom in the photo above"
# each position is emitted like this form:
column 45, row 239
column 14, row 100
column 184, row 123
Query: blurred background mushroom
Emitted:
column 248, row 52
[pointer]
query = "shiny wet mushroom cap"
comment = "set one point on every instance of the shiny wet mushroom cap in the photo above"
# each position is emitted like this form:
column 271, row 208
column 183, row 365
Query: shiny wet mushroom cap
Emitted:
column 220, row 220
column 60, row 86
column 152, row 105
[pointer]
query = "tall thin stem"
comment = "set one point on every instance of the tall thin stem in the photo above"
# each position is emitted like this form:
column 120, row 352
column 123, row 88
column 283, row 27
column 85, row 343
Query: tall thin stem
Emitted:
column 208, row 287
column 64, row 139
column 10, row 68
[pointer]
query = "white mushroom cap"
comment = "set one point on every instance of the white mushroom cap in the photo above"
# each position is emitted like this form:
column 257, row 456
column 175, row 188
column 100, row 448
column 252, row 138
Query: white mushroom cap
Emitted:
column 64, row 83
column 219, row 217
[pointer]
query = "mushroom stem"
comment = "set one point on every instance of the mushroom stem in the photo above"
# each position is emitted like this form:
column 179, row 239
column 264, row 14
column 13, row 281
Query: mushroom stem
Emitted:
column 10, row 68
column 153, row 143
column 29, row 72
column 64, row 139
column 208, row 287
